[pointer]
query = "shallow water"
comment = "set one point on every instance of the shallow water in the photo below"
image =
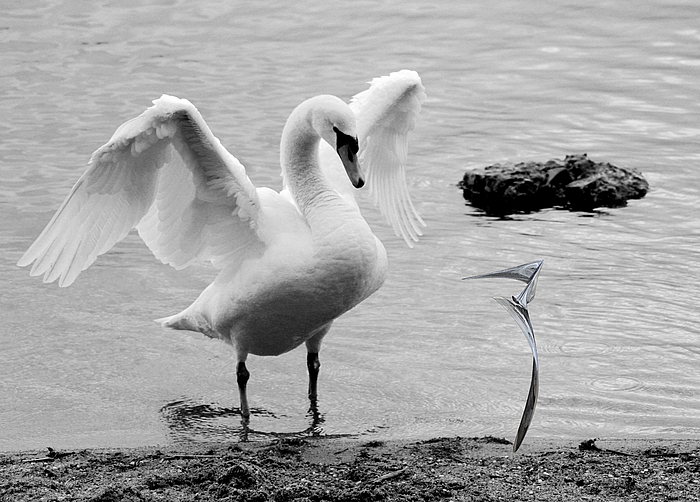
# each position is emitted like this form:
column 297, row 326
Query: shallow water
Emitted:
column 429, row 354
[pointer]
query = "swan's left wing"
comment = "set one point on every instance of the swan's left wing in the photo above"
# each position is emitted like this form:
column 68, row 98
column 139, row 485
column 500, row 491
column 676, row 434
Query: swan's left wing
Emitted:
column 386, row 113
column 166, row 174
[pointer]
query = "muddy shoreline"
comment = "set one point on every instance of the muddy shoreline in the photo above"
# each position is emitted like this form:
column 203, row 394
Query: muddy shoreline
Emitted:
column 323, row 469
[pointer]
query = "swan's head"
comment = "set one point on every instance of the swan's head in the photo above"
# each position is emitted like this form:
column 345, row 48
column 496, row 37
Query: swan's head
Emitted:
column 334, row 122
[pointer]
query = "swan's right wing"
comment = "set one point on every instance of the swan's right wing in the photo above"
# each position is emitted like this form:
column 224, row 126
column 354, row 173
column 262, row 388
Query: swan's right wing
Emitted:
column 166, row 174
column 386, row 113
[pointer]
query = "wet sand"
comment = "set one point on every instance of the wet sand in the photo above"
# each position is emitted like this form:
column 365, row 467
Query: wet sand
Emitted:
column 323, row 469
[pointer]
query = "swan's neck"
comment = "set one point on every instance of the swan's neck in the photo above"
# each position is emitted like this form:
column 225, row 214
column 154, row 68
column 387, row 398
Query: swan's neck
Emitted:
column 300, row 166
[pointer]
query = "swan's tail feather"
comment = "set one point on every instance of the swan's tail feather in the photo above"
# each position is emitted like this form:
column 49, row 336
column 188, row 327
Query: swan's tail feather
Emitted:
column 185, row 321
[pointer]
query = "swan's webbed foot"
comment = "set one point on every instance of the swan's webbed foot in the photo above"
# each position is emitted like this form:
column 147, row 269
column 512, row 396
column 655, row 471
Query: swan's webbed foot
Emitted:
column 317, row 419
column 242, row 376
column 313, row 365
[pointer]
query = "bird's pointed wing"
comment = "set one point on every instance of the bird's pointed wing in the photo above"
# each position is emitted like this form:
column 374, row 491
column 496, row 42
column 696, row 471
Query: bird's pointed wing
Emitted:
column 525, row 273
column 522, row 273
column 386, row 113
column 166, row 174
column 522, row 318
column 517, row 308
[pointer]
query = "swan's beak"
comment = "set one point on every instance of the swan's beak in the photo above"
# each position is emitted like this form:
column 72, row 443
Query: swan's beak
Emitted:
column 352, row 166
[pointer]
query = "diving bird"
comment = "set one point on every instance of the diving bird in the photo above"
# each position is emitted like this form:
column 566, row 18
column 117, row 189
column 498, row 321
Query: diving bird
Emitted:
column 516, row 306
column 290, row 262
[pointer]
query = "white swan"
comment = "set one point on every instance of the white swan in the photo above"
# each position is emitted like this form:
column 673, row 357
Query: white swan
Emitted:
column 290, row 262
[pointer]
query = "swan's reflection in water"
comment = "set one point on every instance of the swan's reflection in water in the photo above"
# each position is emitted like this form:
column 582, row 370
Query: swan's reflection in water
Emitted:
column 190, row 421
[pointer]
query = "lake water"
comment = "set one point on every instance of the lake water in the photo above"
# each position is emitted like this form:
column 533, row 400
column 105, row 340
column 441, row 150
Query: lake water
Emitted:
column 616, row 315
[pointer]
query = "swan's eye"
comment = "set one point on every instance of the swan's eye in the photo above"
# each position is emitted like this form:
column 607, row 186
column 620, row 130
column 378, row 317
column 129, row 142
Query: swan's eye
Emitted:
column 343, row 139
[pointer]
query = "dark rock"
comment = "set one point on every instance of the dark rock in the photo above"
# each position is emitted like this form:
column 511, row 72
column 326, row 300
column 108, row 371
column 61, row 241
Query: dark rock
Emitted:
column 577, row 184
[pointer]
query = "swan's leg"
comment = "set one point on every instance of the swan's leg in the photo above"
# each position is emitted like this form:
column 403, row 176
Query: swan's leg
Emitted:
column 242, row 376
column 313, row 364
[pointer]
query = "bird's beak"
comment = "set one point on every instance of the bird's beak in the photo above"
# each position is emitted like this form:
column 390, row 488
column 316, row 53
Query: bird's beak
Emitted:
column 352, row 165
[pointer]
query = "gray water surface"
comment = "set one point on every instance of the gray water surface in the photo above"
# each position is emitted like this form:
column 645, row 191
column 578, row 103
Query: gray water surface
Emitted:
column 616, row 314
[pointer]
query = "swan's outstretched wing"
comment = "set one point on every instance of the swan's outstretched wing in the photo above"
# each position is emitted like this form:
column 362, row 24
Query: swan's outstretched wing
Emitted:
column 166, row 174
column 386, row 113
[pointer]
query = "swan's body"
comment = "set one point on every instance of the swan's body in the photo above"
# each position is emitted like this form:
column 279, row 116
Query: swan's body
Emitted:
column 319, row 259
column 290, row 262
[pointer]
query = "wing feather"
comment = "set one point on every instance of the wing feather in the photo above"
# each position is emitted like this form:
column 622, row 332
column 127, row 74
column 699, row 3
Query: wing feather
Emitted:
column 386, row 113
column 167, row 175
